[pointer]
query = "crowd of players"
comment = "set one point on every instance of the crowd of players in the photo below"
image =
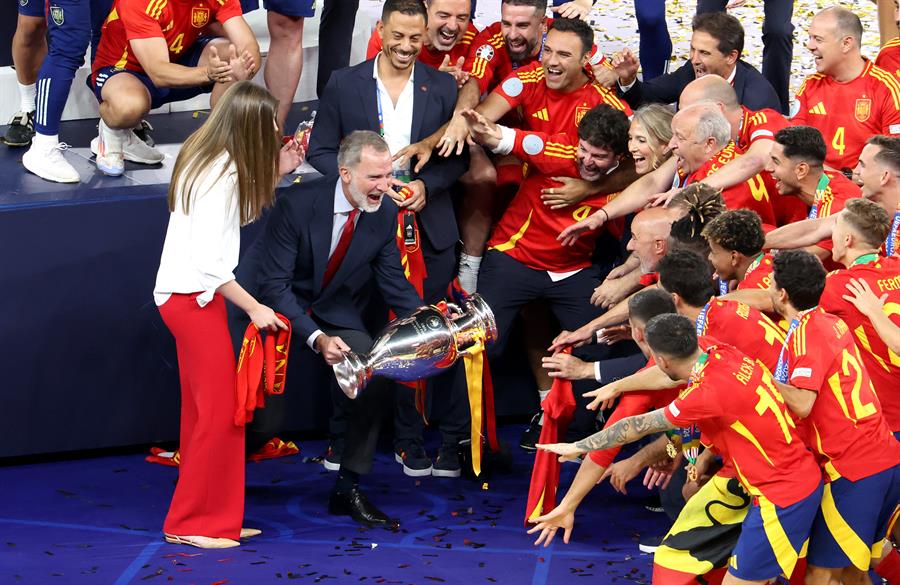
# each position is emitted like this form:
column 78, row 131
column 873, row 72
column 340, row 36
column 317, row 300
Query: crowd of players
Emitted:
column 750, row 323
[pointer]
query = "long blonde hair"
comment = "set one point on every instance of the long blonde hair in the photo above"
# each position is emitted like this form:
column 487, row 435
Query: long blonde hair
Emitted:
column 243, row 125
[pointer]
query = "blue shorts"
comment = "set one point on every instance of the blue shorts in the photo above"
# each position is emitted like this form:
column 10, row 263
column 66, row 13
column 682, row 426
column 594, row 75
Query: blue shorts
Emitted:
column 31, row 8
column 854, row 519
column 304, row 8
column 160, row 96
column 773, row 538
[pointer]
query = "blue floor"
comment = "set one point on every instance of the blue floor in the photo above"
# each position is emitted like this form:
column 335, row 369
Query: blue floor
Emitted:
column 92, row 521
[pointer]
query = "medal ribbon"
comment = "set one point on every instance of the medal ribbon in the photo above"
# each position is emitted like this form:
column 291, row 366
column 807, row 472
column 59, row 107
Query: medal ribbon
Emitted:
column 821, row 188
column 891, row 242
column 690, row 436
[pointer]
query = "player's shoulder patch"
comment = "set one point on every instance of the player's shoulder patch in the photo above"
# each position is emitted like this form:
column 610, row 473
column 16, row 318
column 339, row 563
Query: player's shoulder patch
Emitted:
column 532, row 144
column 485, row 52
column 512, row 87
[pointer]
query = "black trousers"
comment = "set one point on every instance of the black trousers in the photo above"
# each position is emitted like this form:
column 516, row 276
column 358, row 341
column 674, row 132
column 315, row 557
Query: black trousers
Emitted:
column 507, row 285
column 778, row 43
column 335, row 38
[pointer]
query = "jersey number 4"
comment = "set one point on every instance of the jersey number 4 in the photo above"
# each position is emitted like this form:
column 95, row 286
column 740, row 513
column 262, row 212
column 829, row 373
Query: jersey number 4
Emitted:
column 177, row 45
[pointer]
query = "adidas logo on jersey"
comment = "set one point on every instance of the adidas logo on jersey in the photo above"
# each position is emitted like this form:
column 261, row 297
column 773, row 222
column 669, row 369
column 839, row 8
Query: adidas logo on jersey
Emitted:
column 541, row 115
column 819, row 109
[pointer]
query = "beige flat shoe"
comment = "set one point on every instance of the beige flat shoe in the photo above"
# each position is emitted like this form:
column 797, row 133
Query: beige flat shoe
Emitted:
column 250, row 532
column 202, row 541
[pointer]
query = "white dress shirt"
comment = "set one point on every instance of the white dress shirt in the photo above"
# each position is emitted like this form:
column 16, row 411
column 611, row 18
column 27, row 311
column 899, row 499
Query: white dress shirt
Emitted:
column 342, row 209
column 397, row 119
column 201, row 248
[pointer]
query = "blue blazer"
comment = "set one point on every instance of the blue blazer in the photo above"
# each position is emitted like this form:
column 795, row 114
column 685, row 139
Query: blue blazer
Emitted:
column 349, row 103
column 294, row 254
column 752, row 89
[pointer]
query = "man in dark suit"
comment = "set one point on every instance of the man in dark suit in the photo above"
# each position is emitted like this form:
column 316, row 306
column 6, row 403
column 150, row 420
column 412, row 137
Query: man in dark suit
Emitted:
column 326, row 243
column 778, row 43
column 405, row 101
column 716, row 46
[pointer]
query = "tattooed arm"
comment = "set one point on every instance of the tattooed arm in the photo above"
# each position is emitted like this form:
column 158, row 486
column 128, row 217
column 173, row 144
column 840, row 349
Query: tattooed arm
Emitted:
column 625, row 431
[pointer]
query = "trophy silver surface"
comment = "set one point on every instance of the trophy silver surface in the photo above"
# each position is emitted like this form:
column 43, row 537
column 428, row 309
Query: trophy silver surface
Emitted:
column 420, row 345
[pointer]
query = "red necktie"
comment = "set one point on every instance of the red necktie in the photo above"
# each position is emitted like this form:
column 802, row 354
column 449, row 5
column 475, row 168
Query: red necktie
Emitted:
column 341, row 249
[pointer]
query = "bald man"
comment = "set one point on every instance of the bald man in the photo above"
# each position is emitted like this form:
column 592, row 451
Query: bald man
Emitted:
column 649, row 243
column 848, row 99
column 754, row 133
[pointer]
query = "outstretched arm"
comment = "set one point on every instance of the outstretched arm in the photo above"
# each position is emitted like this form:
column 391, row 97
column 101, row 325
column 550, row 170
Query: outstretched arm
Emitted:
column 623, row 432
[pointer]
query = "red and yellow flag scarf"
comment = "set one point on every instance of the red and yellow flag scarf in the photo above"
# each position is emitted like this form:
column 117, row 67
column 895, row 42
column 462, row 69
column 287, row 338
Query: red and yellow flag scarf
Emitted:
column 261, row 369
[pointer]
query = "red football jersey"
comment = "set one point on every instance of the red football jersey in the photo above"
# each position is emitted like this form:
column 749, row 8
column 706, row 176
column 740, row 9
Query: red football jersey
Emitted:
column 745, row 328
column 846, row 427
column 847, row 114
column 759, row 273
column 751, row 194
column 428, row 55
column 759, row 125
column 889, row 57
column 882, row 364
column 633, row 404
column 832, row 200
column 178, row 22
column 529, row 228
column 734, row 402
column 546, row 110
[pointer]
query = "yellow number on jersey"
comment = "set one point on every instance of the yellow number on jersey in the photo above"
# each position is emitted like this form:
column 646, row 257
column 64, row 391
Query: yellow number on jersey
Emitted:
column 771, row 399
column 860, row 410
column 837, row 142
column 177, row 45
column 582, row 212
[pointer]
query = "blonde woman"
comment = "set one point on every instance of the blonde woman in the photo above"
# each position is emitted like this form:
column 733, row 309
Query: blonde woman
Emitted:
column 224, row 177
column 649, row 136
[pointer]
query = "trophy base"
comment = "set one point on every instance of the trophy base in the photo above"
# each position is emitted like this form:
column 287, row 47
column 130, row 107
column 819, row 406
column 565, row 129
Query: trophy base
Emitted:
column 351, row 375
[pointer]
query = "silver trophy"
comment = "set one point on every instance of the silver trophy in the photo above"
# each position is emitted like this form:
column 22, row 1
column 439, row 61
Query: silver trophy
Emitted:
column 421, row 345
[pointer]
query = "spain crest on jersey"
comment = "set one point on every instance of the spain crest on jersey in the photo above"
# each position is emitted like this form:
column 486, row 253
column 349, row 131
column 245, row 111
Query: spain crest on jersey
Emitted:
column 580, row 111
column 57, row 14
column 863, row 109
column 199, row 16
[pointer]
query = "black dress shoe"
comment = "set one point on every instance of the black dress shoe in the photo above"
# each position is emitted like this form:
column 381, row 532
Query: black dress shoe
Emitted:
column 355, row 504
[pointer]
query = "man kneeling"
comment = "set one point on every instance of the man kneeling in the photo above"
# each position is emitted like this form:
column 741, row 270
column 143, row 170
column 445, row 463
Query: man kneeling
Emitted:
column 151, row 54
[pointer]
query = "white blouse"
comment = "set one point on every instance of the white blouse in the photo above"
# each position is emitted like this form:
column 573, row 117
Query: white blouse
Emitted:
column 201, row 249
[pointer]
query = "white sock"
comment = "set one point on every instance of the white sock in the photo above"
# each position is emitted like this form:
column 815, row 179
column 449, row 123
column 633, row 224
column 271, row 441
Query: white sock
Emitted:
column 468, row 272
column 45, row 141
column 543, row 394
column 27, row 94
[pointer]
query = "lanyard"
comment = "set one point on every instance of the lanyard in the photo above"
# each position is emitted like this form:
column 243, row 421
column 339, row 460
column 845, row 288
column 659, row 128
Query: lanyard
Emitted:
column 892, row 236
column 824, row 180
column 701, row 322
column 723, row 287
column 781, row 370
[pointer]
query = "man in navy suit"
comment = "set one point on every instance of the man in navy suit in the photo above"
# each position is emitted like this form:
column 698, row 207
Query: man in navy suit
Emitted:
column 716, row 46
column 405, row 101
column 326, row 243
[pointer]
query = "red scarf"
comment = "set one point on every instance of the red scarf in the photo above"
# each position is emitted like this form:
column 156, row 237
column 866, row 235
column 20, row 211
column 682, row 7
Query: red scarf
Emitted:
column 261, row 369
column 559, row 406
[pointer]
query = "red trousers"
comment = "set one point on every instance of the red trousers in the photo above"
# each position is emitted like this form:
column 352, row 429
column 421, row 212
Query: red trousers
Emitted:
column 209, row 496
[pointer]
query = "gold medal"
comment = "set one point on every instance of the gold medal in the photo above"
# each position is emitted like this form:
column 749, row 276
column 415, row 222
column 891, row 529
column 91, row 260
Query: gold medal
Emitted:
column 692, row 473
column 671, row 450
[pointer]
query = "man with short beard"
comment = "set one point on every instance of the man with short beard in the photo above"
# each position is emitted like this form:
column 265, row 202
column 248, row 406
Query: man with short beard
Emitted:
column 404, row 100
column 448, row 40
column 326, row 244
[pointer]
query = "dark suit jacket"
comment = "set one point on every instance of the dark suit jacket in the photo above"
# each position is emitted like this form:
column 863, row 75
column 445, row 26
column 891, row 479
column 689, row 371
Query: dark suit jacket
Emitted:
column 349, row 103
column 752, row 89
column 294, row 255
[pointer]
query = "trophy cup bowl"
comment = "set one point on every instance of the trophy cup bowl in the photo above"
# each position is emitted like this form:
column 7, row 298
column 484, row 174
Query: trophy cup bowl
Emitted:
column 420, row 345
